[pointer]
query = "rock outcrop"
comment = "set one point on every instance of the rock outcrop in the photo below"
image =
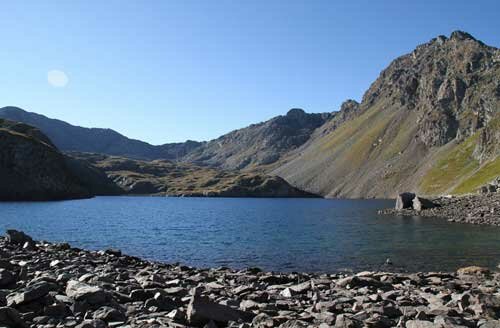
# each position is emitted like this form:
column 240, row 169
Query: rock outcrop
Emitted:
column 259, row 145
column 404, row 200
column 55, row 285
column 167, row 178
column 31, row 168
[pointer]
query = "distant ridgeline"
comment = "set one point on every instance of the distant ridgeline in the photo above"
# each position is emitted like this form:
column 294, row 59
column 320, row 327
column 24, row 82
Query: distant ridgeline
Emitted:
column 429, row 124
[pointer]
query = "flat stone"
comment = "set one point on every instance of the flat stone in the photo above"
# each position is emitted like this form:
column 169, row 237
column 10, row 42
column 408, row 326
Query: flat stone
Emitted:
column 82, row 291
column 422, row 324
column 29, row 293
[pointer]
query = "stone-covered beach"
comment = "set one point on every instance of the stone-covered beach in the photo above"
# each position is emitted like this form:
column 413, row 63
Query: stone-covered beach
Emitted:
column 55, row 285
column 481, row 209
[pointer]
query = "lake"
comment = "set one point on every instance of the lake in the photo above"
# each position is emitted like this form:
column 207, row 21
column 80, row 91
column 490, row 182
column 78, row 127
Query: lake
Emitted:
column 273, row 234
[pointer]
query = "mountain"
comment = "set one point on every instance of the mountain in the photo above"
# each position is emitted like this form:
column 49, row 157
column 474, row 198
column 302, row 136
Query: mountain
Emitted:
column 68, row 137
column 255, row 146
column 430, row 123
column 163, row 177
column 259, row 145
column 31, row 168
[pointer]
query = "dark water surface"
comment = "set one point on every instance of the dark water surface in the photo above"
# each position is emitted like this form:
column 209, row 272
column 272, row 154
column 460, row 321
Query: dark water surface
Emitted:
column 274, row 234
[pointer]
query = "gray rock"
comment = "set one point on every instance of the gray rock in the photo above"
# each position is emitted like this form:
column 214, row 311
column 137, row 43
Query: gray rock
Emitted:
column 9, row 317
column 109, row 314
column 18, row 237
column 301, row 288
column 29, row 293
column 81, row 291
column 201, row 310
column 404, row 200
column 263, row 320
column 422, row 324
column 343, row 321
column 420, row 203
column 294, row 324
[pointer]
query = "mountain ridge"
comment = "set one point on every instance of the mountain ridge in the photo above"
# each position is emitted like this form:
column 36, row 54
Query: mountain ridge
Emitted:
column 427, row 124
column 68, row 137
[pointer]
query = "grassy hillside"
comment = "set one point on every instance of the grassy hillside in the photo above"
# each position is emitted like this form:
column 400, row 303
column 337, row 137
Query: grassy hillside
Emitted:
column 162, row 177
column 427, row 125
column 452, row 166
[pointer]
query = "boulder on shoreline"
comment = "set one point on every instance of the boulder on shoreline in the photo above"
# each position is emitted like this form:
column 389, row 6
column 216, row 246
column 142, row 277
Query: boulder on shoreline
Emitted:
column 420, row 203
column 404, row 200
column 481, row 209
column 59, row 286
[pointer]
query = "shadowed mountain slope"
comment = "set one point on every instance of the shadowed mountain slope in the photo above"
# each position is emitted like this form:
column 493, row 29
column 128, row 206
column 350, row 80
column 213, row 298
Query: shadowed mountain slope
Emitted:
column 31, row 168
column 68, row 137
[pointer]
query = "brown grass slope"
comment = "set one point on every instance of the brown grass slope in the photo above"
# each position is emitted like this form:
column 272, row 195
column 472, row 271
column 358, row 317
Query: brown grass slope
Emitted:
column 426, row 105
column 163, row 177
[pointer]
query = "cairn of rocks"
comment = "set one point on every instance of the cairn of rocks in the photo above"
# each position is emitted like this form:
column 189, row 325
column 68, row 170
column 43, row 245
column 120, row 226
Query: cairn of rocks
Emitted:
column 55, row 285
column 473, row 209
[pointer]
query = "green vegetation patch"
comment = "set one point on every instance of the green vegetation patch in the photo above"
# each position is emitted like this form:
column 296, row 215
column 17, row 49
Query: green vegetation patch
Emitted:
column 453, row 165
column 485, row 174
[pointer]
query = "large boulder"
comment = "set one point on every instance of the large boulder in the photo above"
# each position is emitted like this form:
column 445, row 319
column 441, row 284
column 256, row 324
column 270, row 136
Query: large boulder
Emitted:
column 420, row 203
column 404, row 200
column 80, row 291
column 18, row 237
column 202, row 310
column 30, row 293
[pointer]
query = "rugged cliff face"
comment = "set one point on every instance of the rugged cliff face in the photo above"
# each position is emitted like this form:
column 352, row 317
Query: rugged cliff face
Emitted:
column 427, row 124
column 258, row 144
column 31, row 168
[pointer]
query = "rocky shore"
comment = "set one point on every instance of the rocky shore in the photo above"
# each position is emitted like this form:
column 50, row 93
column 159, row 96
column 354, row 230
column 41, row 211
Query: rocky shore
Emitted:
column 473, row 209
column 55, row 285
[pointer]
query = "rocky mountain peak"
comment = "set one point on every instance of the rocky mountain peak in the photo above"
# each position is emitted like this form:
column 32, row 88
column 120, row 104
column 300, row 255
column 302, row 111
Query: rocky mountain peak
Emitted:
column 11, row 109
column 440, row 80
column 349, row 105
column 461, row 35
column 296, row 112
column 431, row 113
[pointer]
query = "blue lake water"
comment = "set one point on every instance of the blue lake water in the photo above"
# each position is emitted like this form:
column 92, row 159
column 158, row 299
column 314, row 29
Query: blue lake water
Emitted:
column 274, row 234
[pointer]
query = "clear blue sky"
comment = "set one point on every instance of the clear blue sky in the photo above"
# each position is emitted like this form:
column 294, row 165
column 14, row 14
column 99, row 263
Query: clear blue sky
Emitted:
column 166, row 71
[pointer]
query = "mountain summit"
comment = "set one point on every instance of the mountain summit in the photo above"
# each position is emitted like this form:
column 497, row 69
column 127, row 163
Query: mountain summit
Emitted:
column 420, row 126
